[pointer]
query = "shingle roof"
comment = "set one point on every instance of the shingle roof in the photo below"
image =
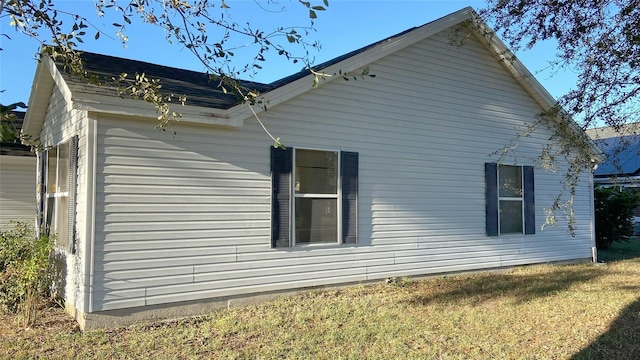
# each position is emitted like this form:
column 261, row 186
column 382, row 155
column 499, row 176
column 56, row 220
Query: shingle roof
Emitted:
column 15, row 147
column 197, row 87
column 200, row 91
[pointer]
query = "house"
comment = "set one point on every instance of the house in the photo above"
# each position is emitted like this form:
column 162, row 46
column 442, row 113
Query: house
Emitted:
column 17, row 179
column 621, row 167
column 383, row 177
column 622, row 150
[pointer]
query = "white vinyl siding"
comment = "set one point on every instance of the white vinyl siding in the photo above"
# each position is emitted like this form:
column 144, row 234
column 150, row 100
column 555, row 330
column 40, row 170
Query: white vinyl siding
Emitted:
column 17, row 189
column 187, row 218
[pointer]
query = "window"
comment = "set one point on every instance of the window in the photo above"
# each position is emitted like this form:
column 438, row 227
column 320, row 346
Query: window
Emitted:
column 510, row 203
column 314, row 197
column 60, row 192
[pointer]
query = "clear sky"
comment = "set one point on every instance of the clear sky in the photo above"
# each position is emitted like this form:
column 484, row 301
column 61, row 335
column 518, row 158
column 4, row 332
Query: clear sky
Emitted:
column 345, row 26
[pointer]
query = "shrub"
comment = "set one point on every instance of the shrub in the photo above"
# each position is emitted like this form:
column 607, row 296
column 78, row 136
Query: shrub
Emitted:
column 24, row 270
column 614, row 215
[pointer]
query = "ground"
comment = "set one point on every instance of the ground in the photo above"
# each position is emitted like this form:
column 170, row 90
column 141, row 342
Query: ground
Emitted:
column 584, row 311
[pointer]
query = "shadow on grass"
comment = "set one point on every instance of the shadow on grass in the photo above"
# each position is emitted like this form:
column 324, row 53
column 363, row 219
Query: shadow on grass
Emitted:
column 622, row 341
column 479, row 288
column 621, row 251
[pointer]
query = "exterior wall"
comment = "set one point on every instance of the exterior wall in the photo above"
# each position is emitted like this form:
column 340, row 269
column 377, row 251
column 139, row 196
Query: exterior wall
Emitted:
column 187, row 218
column 17, row 189
column 61, row 124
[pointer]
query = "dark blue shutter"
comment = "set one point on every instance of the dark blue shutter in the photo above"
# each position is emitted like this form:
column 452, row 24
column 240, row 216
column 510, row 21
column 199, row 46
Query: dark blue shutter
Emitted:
column 281, row 165
column 73, row 181
column 529, row 201
column 349, row 171
column 43, row 156
column 491, row 196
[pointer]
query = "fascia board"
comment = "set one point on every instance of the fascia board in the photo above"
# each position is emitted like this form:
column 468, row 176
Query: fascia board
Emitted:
column 41, row 88
column 132, row 107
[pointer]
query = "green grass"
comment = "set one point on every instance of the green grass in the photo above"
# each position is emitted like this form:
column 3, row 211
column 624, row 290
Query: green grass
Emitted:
column 621, row 250
column 581, row 311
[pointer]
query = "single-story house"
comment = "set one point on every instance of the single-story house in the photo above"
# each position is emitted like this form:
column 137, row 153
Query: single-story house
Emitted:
column 384, row 177
column 17, row 179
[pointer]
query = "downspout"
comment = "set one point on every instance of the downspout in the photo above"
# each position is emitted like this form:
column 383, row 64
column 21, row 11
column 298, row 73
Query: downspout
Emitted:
column 90, row 180
column 594, row 249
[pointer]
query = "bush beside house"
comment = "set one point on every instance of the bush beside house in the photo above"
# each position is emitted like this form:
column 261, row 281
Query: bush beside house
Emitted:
column 614, row 215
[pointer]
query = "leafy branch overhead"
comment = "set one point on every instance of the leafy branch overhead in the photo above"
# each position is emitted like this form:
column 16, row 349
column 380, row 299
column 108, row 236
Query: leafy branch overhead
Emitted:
column 204, row 27
column 320, row 75
column 598, row 40
column 8, row 130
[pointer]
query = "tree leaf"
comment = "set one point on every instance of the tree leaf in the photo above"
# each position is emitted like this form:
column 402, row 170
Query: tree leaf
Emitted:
column 312, row 14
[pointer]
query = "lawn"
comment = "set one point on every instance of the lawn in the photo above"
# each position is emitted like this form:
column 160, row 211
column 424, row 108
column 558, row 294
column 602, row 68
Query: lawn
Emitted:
column 580, row 311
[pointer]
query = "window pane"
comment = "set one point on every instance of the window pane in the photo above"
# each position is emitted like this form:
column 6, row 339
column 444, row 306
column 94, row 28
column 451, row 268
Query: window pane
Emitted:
column 63, row 168
column 316, row 172
column 51, row 170
column 316, row 221
column 48, row 220
column 510, row 217
column 510, row 181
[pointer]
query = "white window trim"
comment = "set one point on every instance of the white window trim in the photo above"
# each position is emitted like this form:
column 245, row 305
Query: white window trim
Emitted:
column 336, row 196
column 54, row 221
column 511, row 198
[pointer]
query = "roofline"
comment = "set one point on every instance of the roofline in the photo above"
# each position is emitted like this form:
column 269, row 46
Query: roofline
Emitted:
column 236, row 115
column 132, row 107
column 48, row 75
column 357, row 61
column 41, row 87
column 385, row 47
column 527, row 80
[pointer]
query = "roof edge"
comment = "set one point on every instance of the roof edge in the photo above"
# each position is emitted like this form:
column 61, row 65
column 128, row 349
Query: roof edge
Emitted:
column 124, row 106
column 302, row 83
column 527, row 80
column 45, row 79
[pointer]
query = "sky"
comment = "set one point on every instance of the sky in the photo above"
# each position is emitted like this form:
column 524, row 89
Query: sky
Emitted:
column 346, row 25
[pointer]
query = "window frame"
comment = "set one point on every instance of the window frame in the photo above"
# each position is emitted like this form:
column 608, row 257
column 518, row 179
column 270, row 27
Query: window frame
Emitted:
column 59, row 206
column 492, row 200
column 519, row 199
column 337, row 196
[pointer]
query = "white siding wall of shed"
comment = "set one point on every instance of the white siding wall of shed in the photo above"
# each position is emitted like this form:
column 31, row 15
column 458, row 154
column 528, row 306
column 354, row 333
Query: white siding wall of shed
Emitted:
column 17, row 189
column 61, row 124
column 188, row 218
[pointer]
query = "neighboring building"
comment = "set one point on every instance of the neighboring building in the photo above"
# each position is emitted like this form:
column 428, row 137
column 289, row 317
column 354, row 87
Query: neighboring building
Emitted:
column 382, row 177
column 17, row 180
column 622, row 150
column 621, row 167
